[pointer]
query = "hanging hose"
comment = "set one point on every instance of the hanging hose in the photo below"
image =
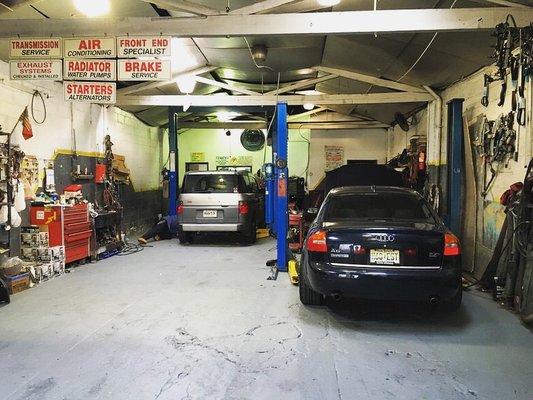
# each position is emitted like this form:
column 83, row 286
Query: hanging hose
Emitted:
column 38, row 94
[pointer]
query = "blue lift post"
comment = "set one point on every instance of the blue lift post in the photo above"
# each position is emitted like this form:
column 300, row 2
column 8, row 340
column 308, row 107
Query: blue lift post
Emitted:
column 173, row 159
column 280, row 149
column 455, row 164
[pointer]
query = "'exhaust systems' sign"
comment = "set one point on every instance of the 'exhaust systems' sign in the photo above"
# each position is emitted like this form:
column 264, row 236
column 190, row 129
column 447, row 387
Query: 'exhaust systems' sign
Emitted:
column 103, row 47
column 143, row 46
column 90, row 70
column 35, row 48
column 28, row 70
column 144, row 70
column 90, row 92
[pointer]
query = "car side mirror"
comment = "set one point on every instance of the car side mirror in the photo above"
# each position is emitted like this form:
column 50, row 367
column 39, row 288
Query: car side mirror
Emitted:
column 310, row 214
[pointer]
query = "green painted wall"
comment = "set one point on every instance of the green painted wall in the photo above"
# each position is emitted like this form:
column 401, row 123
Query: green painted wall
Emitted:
column 214, row 142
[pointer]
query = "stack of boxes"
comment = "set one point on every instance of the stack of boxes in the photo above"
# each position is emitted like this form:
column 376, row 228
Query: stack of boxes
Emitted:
column 34, row 248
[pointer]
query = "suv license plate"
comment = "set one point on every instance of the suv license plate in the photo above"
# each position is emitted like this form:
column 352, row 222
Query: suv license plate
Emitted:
column 210, row 213
column 384, row 256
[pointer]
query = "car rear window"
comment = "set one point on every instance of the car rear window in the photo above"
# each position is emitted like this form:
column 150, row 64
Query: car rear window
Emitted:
column 377, row 206
column 211, row 183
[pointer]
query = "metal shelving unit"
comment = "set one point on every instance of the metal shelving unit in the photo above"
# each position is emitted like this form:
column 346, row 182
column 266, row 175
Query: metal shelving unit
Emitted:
column 6, row 227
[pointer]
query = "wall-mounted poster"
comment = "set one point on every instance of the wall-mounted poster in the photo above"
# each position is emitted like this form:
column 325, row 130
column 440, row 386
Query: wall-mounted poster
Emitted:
column 234, row 160
column 334, row 156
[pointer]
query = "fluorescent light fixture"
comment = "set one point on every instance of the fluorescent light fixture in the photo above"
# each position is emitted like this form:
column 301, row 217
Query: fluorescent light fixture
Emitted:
column 93, row 8
column 226, row 116
column 328, row 3
column 309, row 106
column 186, row 84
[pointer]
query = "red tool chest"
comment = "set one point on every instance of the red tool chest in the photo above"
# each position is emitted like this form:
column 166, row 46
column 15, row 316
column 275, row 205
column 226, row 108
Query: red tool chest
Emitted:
column 68, row 226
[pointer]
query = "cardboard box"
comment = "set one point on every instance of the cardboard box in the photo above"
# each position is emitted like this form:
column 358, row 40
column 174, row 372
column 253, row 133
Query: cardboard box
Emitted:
column 18, row 283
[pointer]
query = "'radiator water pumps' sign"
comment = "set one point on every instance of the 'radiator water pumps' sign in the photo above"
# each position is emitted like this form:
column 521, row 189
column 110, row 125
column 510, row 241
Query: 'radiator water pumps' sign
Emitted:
column 27, row 70
column 143, row 46
column 90, row 92
column 90, row 70
column 144, row 70
column 103, row 47
column 35, row 48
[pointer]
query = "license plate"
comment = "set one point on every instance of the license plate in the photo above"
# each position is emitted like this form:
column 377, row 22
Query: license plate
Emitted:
column 384, row 256
column 210, row 213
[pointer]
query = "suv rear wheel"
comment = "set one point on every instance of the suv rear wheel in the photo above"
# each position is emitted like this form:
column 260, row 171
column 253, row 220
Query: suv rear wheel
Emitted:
column 185, row 237
column 250, row 237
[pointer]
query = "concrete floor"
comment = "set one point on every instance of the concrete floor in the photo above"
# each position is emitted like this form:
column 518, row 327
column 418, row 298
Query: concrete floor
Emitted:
column 202, row 322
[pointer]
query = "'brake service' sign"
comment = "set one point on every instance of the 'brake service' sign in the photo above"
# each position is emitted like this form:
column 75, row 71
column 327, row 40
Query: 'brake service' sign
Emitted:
column 90, row 70
column 90, row 92
column 144, row 70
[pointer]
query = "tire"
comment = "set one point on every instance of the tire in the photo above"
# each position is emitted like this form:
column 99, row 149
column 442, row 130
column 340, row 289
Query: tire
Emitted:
column 308, row 296
column 185, row 237
column 454, row 303
column 250, row 237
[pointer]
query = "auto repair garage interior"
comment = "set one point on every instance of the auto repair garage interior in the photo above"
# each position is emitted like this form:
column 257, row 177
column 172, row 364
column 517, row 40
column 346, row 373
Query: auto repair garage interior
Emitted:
column 275, row 199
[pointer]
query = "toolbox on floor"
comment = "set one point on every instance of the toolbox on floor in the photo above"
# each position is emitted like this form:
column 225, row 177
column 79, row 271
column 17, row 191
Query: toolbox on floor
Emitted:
column 17, row 283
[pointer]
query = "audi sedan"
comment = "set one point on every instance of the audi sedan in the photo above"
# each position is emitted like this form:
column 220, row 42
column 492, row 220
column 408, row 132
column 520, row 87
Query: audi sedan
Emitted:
column 380, row 243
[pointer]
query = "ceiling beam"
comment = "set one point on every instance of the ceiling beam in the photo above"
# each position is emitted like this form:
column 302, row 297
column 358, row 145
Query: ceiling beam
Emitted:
column 317, row 110
column 261, row 100
column 140, row 87
column 504, row 3
column 319, row 23
column 302, row 84
column 187, row 6
column 371, row 79
column 262, row 6
column 223, row 85
column 292, row 125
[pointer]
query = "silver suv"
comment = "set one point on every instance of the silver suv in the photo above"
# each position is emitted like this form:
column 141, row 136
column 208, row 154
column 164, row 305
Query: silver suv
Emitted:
column 220, row 201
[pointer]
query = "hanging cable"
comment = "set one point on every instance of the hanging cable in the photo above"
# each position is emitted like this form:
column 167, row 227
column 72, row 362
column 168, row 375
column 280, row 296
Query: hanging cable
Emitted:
column 253, row 58
column 38, row 94
column 423, row 52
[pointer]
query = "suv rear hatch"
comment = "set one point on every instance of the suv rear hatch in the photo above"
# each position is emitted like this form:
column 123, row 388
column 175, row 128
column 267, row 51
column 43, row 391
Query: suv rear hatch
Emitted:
column 210, row 198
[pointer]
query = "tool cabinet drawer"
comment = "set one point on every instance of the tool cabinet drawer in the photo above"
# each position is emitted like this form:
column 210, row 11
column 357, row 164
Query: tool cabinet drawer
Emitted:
column 77, row 236
column 75, row 251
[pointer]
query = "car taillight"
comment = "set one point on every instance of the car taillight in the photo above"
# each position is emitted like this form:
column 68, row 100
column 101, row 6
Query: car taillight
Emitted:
column 451, row 245
column 179, row 208
column 244, row 208
column 317, row 242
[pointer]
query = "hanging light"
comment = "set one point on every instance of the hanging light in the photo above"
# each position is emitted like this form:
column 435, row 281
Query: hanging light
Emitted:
column 328, row 3
column 93, row 8
column 309, row 106
column 186, row 84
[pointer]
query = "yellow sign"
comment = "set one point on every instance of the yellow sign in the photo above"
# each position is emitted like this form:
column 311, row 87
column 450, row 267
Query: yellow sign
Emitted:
column 197, row 157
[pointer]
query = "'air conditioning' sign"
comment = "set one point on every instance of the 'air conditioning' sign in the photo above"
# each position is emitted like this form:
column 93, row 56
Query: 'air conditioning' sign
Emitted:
column 103, row 47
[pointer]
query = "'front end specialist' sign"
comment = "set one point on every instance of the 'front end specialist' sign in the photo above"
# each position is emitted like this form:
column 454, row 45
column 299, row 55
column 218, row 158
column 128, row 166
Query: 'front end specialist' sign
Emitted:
column 90, row 92
column 144, row 46
column 30, row 70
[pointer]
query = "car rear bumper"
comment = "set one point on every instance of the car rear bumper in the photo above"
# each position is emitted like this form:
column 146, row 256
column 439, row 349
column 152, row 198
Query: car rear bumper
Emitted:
column 212, row 227
column 384, row 283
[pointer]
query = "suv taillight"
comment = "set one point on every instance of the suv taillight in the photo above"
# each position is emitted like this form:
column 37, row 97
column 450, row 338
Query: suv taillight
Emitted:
column 179, row 208
column 317, row 242
column 451, row 245
column 244, row 208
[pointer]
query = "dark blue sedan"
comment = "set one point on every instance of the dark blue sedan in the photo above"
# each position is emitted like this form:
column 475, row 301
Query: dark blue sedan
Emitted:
column 380, row 243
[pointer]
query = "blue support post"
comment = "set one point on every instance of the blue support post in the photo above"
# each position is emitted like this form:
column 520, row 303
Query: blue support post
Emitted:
column 173, row 159
column 455, row 165
column 280, row 158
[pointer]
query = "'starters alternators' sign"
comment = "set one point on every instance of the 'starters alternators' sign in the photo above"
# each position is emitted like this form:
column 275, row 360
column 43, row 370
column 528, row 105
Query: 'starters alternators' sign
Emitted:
column 144, row 46
column 27, row 70
column 144, row 70
column 35, row 48
column 90, row 92
column 90, row 70
column 103, row 47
